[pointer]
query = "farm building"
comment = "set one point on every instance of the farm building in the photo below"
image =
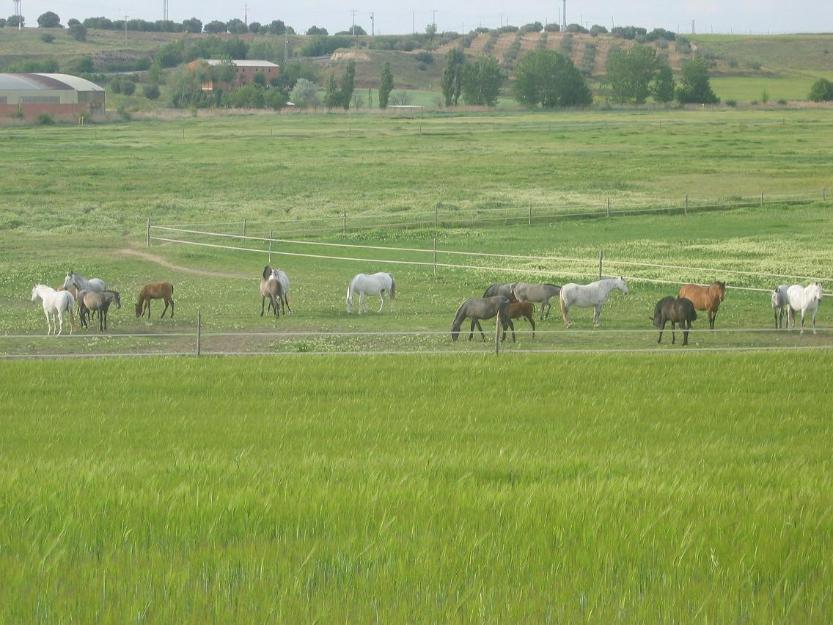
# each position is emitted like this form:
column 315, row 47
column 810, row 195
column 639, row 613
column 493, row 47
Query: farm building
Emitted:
column 244, row 72
column 59, row 95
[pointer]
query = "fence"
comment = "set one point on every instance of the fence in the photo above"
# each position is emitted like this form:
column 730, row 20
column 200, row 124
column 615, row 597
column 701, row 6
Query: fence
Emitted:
column 443, row 217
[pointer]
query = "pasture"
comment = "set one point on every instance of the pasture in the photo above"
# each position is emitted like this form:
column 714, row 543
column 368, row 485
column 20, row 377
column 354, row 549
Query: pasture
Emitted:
column 688, row 485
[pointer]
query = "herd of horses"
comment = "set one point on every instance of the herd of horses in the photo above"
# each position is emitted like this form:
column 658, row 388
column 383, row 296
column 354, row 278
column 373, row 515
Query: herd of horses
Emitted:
column 507, row 301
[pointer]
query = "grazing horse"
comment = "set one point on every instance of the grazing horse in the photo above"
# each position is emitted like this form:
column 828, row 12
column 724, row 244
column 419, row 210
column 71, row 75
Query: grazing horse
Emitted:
column 679, row 310
column 55, row 304
column 155, row 290
column 375, row 284
column 270, row 288
column 280, row 276
column 780, row 305
column 705, row 297
column 538, row 293
column 89, row 301
column 804, row 300
column 594, row 294
column 516, row 310
column 82, row 284
column 501, row 289
column 478, row 308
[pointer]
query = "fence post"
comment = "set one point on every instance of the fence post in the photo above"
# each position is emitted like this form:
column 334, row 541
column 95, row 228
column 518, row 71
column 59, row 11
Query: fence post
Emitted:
column 824, row 194
column 199, row 332
column 530, row 214
column 244, row 229
column 762, row 198
column 436, row 215
column 685, row 206
column 435, row 257
column 147, row 234
column 601, row 260
column 344, row 223
column 608, row 207
column 270, row 247
column 497, row 333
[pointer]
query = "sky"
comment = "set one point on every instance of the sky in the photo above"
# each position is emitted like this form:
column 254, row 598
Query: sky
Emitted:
column 395, row 16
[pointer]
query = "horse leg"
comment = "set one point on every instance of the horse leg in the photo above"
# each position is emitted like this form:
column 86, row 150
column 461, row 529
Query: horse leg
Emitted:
column 361, row 302
column 471, row 331
column 512, row 326
column 382, row 299
column 61, row 322
column 673, row 332
column 479, row 327
column 172, row 307
column 543, row 306
column 164, row 310
column 712, row 315
column 686, row 330
column 565, row 315
column 262, row 305
column 597, row 315
column 661, row 330
column 286, row 301
column 802, row 321
column 814, row 320
column 532, row 323
column 147, row 307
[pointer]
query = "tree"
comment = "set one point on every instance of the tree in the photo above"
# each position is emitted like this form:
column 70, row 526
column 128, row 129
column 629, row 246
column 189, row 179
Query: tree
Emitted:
column 2, row 22
column 431, row 31
column 550, row 79
column 332, row 96
column 260, row 79
column 151, row 92
column 662, row 88
column 821, row 91
column 277, row 27
column 315, row 30
column 533, row 27
column 598, row 29
column 216, row 27
column 192, row 26
column 630, row 73
column 452, row 80
column 49, row 20
column 481, row 81
column 14, row 21
column 236, row 26
column 385, row 86
column 72, row 21
column 356, row 30
column 304, row 93
column 694, row 84
column 347, row 84
column 256, row 27
column 78, row 31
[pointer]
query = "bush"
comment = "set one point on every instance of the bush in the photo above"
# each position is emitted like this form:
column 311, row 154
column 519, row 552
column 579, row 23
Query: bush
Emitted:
column 128, row 87
column 577, row 28
column 552, row 28
column 151, row 92
column 597, row 29
column 821, row 91
column 316, row 31
column 732, row 103
column 47, row 38
column 216, row 27
column 533, row 27
column 424, row 57
column 304, row 93
column 782, row 102
column 78, row 31
column 45, row 119
column 115, row 85
column 325, row 46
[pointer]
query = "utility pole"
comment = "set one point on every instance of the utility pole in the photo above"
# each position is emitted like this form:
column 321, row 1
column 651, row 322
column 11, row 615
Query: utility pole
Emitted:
column 353, row 27
column 692, row 27
column 165, row 10
column 372, row 25
column 125, row 28
column 564, row 16
column 19, row 13
column 285, row 47
column 434, row 19
column 246, row 14
column 413, row 22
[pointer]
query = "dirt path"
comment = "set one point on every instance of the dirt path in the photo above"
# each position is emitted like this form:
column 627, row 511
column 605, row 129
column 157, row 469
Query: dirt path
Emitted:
column 153, row 258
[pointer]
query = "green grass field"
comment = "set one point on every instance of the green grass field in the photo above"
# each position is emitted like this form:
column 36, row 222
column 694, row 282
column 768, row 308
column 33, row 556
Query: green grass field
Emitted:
column 624, row 489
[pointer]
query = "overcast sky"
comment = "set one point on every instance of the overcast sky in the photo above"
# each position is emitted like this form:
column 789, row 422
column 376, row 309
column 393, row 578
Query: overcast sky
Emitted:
column 397, row 16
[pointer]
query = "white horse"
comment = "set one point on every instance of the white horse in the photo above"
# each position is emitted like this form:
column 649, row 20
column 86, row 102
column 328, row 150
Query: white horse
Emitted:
column 55, row 303
column 375, row 284
column 82, row 284
column 594, row 294
column 804, row 300
column 283, row 280
column 780, row 304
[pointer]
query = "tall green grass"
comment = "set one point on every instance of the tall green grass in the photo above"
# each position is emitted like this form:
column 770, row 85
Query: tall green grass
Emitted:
column 417, row 489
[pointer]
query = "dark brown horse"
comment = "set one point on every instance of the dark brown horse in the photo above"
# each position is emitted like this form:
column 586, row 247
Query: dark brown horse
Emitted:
column 679, row 310
column 516, row 310
column 156, row 290
column 705, row 297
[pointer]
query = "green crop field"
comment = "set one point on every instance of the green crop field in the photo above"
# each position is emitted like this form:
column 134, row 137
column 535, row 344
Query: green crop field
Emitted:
column 445, row 484
column 417, row 489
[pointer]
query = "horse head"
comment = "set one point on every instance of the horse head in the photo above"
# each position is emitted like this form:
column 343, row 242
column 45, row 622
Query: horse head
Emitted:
column 816, row 291
column 138, row 309
column 721, row 290
column 35, row 293
column 117, row 299
column 620, row 282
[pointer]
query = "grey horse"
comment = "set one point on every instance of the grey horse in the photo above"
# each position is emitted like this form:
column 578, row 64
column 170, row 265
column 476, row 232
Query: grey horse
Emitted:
column 536, row 293
column 500, row 289
column 478, row 308
column 91, row 301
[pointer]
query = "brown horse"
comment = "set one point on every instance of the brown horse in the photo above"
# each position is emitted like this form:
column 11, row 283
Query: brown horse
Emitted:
column 271, row 289
column 157, row 290
column 516, row 310
column 91, row 301
column 705, row 297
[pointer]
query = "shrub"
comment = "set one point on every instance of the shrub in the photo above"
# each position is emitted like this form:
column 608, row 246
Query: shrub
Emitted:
column 821, row 91
column 552, row 28
column 533, row 27
column 315, row 30
column 216, row 27
column 732, row 103
column 78, row 31
column 597, row 29
column 128, row 87
column 325, row 46
column 47, row 38
column 151, row 92
column 304, row 93
column 782, row 102
column 45, row 119
column 424, row 57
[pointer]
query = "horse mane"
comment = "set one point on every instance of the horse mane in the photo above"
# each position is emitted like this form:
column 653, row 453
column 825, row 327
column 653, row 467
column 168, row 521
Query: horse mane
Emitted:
column 489, row 288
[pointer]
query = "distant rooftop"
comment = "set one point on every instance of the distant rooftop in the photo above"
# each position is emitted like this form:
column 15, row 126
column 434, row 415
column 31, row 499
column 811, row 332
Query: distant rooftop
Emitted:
column 45, row 82
column 242, row 63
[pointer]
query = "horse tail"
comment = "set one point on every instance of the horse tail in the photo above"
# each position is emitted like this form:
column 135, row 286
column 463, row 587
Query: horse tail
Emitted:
column 562, row 300
column 392, row 288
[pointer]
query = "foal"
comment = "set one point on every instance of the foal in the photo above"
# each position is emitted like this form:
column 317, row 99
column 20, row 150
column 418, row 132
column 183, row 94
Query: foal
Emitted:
column 156, row 290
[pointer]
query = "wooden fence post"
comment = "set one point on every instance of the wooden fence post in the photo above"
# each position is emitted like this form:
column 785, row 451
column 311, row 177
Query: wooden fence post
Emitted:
column 530, row 215
column 601, row 260
column 762, row 199
column 244, row 229
column 685, row 206
column 435, row 257
column 436, row 216
column 497, row 333
column 270, row 247
column 608, row 207
column 199, row 332
column 824, row 194
column 344, row 223
column 147, row 234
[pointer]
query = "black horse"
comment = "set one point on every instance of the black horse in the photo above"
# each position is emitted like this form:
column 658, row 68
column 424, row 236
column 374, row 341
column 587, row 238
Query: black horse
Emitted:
column 676, row 310
column 479, row 308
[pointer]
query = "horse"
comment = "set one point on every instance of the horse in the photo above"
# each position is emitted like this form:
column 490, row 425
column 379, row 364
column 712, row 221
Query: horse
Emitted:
column 270, row 288
column 780, row 305
column 155, row 290
column 89, row 301
column 501, row 289
column 805, row 300
column 705, row 297
column 516, row 310
column 679, row 310
column 82, row 284
column 594, row 294
column 538, row 293
column 375, row 284
column 55, row 303
column 280, row 276
column 478, row 308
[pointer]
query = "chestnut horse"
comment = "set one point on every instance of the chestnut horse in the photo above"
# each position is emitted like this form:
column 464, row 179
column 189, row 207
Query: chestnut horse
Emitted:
column 157, row 290
column 516, row 310
column 705, row 297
